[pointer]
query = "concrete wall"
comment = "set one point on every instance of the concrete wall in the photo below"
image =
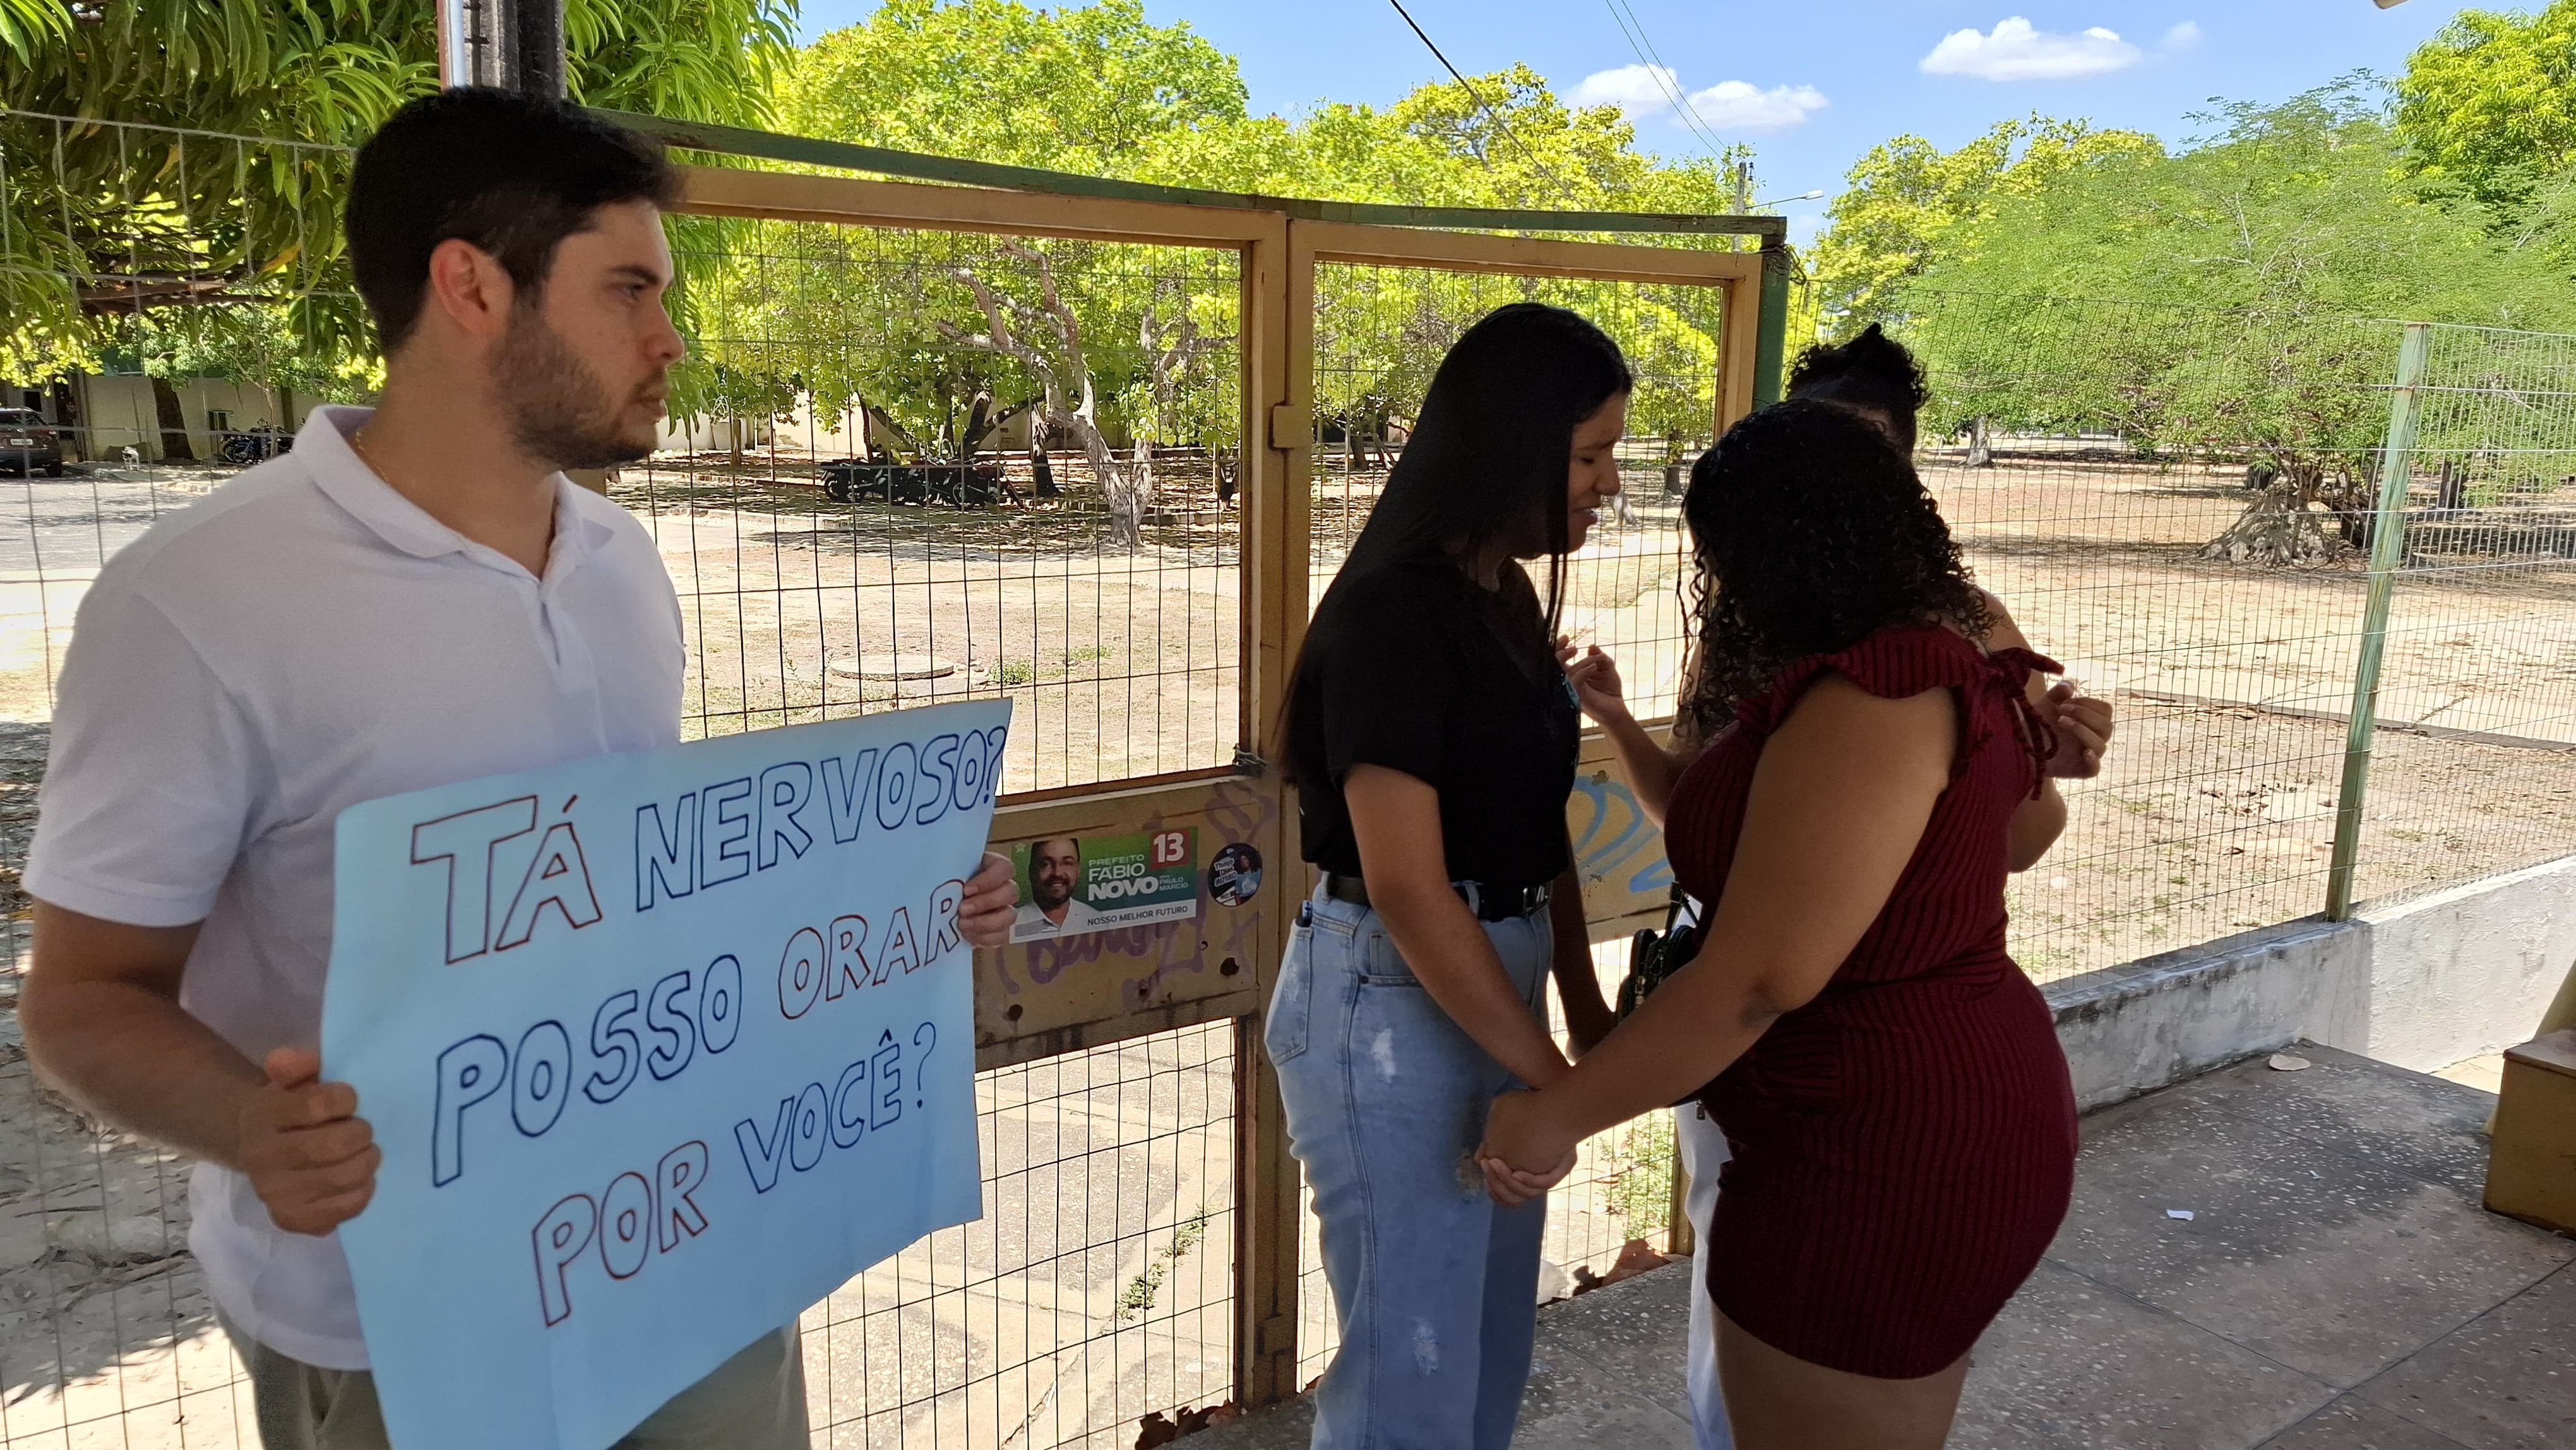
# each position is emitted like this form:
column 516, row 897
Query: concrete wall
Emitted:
column 2145, row 1024
column 117, row 412
column 2468, row 971
column 817, row 430
column 2421, row 985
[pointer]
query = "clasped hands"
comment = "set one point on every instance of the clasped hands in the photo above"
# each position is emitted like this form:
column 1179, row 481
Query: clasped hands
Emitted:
column 1524, row 1153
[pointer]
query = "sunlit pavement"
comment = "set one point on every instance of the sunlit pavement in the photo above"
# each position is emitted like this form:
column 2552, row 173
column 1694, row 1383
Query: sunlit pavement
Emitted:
column 2336, row 1286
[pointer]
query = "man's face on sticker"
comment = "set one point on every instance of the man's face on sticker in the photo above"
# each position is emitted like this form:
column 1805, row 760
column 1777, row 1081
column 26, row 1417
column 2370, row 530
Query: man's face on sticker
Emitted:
column 1053, row 868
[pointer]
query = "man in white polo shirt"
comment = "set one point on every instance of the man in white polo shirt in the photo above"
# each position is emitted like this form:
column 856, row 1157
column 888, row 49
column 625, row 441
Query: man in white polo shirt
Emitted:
column 415, row 596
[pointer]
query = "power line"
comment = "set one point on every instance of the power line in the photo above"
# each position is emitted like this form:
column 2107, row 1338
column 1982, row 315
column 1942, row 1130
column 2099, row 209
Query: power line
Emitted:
column 1474, row 95
column 1666, row 79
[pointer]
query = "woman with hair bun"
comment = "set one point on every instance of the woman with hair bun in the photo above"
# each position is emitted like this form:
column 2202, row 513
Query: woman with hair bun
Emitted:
column 1872, row 375
column 1880, row 757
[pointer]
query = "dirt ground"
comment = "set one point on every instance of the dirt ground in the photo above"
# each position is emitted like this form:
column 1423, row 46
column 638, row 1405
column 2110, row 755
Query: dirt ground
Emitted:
column 1096, row 1286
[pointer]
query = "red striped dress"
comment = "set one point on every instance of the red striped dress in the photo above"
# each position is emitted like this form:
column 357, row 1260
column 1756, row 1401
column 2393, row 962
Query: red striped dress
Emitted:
column 1904, row 1144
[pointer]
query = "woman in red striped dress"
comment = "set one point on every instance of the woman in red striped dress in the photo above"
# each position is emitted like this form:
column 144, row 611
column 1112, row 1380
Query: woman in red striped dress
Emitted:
column 1891, row 1084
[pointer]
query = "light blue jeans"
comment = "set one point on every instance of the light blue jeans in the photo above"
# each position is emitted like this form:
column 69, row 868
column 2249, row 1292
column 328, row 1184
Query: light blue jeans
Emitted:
column 1436, row 1285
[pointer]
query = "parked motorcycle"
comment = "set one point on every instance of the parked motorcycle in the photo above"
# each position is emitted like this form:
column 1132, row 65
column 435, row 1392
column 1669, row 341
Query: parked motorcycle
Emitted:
column 255, row 445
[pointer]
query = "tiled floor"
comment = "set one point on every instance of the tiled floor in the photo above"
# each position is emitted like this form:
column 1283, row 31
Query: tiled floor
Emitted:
column 2337, row 1287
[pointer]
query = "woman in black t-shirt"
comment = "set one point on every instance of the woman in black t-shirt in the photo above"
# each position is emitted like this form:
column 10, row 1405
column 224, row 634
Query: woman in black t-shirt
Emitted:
column 1431, row 734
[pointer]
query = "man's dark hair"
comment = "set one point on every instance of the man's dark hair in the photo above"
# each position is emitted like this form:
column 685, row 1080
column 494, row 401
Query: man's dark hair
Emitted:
column 512, row 174
column 1872, row 371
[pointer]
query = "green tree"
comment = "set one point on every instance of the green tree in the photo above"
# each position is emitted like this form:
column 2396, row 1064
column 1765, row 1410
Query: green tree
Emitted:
column 1907, row 198
column 2490, row 102
column 2206, row 302
column 1122, row 343
column 116, row 232
column 1090, row 89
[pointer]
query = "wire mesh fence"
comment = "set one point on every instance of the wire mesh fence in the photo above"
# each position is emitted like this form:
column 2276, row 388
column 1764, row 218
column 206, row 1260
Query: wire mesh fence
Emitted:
column 2178, row 505
column 122, row 248
column 912, row 466
column 2474, row 767
column 1096, row 1288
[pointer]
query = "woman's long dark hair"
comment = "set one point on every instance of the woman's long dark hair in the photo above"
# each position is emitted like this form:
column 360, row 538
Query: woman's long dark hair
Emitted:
column 1812, row 533
column 1486, row 464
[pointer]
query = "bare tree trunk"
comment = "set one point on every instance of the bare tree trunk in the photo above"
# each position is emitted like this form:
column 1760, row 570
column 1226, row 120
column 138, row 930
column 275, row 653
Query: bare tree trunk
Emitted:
column 2279, row 527
column 1125, row 517
column 1063, row 373
column 174, row 423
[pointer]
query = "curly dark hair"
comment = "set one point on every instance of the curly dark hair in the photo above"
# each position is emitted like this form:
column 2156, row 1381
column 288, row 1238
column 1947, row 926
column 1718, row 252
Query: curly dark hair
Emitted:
column 1812, row 533
column 1872, row 371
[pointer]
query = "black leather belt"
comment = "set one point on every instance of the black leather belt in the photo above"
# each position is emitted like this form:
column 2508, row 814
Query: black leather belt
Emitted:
column 1489, row 903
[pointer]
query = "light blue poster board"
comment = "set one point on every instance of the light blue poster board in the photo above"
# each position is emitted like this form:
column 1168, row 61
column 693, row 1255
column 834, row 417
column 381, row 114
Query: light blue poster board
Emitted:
column 661, row 1049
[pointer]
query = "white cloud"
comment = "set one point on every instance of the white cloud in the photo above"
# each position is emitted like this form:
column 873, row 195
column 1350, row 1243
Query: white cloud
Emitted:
column 1643, row 91
column 1741, row 106
column 1638, row 90
column 2185, row 36
column 2016, row 50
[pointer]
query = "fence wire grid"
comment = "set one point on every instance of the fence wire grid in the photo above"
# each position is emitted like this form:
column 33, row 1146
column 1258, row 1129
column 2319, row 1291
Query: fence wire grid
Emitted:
column 863, row 510
column 2475, row 746
column 2178, row 506
column 1379, row 333
column 894, row 483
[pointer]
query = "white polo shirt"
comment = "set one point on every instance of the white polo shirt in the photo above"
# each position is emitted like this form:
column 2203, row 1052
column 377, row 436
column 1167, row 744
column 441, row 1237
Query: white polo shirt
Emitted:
column 301, row 640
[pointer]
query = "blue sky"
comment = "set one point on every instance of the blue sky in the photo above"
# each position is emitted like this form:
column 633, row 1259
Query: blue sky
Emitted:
column 1813, row 86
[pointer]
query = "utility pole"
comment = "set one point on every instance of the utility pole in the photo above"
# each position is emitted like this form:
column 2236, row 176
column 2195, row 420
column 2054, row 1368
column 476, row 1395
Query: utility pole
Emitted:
column 514, row 45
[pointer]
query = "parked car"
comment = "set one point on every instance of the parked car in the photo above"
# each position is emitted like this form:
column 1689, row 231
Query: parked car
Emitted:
column 28, row 442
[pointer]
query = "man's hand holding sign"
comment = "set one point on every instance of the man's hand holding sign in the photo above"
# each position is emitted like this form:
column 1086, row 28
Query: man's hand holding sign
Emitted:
column 658, row 1049
column 629, row 1050
column 312, row 1156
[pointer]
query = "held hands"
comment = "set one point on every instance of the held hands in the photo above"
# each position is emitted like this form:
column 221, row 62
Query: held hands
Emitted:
column 1596, row 681
column 992, row 899
column 2083, row 726
column 1516, row 1133
column 307, row 1153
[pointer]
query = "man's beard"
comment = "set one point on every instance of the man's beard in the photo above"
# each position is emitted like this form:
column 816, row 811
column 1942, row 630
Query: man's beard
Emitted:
column 560, row 412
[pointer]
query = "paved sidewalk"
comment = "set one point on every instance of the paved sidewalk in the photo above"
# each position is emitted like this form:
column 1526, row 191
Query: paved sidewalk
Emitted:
column 2337, row 1287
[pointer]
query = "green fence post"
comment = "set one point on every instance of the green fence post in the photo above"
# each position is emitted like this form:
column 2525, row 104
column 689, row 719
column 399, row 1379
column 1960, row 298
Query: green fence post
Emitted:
column 2387, row 554
column 1770, row 350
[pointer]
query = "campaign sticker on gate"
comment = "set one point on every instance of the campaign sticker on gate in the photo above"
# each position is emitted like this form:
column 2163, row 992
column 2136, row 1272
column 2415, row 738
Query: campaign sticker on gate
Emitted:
column 1234, row 877
column 1071, row 885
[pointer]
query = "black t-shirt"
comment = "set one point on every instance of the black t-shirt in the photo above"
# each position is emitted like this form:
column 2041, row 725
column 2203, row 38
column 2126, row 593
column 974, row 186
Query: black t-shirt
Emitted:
column 1420, row 669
